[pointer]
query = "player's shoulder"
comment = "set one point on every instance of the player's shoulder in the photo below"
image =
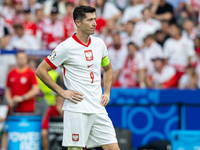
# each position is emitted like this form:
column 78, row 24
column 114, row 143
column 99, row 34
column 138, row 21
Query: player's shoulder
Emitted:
column 95, row 39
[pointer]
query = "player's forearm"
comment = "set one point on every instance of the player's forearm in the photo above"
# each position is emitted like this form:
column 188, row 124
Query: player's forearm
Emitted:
column 107, row 78
column 32, row 93
column 43, row 75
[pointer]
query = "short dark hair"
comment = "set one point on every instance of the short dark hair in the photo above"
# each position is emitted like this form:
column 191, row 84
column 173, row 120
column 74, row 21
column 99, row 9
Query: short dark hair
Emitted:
column 133, row 44
column 150, row 36
column 18, row 26
column 176, row 25
column 80, row 12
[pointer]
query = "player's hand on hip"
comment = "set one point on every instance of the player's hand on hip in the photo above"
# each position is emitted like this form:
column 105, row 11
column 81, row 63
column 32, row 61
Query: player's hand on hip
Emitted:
column 73, row 96
column 104, row 99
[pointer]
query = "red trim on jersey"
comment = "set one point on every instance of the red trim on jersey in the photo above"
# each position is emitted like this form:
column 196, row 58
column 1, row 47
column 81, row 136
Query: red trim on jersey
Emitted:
column 50, row 63
column 77, row 40
column 63, row 70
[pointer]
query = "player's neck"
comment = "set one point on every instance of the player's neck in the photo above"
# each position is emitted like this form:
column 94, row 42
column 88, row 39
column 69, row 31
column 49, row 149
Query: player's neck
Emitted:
column 83, row 37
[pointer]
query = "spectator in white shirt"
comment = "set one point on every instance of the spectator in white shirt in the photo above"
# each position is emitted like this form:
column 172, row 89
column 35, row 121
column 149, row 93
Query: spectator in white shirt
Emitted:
column 22, row 41
column 107, row 10
column 133, row 12
column 132, row 74
column 190, row 31
column 117, row 54
column 128, row 36
column 178, row 49
column 190, row 79
column 146, row 26
column 164, row 76
column 198, row 65
column 152, row 49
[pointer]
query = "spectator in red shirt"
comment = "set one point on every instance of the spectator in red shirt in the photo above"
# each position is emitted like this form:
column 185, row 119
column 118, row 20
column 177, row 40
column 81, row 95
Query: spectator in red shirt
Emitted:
column 53, row 111
column 21, row 89
column 29, row 25
column 53, row 33
column 68, row 20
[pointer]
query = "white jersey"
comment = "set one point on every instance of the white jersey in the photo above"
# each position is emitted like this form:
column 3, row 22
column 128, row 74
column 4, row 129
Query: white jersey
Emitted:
column 178, row 51
column 81, row 66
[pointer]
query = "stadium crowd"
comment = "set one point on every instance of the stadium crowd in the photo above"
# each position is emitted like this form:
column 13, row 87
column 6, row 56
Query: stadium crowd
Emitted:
column 151, row 43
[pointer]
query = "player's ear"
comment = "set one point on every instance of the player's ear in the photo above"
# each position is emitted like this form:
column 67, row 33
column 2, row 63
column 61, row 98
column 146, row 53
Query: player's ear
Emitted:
column 78, row 23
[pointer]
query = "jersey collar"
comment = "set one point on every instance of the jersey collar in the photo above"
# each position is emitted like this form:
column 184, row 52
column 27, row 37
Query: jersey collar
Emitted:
column 77, row 40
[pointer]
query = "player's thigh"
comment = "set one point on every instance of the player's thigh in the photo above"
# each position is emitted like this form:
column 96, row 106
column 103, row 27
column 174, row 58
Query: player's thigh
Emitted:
column 102, row 132
column 75, row 133
column 113, row 146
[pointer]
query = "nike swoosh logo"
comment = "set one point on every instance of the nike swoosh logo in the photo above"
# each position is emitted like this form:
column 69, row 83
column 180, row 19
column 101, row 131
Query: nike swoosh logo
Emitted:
column 89, row 65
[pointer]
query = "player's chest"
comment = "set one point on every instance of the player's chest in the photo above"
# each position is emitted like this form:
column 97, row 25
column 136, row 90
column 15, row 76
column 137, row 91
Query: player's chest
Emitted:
column 85, row 58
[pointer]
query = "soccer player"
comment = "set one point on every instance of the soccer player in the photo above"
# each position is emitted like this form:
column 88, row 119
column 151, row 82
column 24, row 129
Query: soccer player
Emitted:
column 80, row 57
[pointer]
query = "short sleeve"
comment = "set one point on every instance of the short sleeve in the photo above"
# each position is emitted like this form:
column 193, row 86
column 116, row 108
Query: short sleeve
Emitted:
column 105, row 51
column 57, row 56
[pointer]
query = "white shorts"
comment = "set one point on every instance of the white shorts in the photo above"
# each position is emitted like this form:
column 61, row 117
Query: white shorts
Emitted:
column 91, row 130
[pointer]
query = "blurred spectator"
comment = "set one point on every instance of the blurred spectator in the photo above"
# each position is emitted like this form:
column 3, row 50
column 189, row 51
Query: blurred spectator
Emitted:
column 33, row 5
column 190, row 79
column 128, row 35
column 19, row 15
column 178, row 49
column 190, row 31
column 21, row 89
column 160, row 37
column 117, row 54
column 133, row 12
column 193, row 7
column 22, row 41
column 163, row 34
column 146, row 26
column 162, row 10
column 132, row 74
column 164, row 76
column 28, row 24
column 51, row 4
column 7, row 61
column 68, row 20
column 122, row 4
column 107, row 32
column 197, row 43
column 7, row 11
column 178, row 5
column 151, row 49
column 41, row 21
column 53, row 111
column 53, row 33
column 198, row 65
column 107, row 10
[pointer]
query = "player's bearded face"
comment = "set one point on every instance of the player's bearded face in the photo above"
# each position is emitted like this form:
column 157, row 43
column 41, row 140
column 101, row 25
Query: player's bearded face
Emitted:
column 88, row 24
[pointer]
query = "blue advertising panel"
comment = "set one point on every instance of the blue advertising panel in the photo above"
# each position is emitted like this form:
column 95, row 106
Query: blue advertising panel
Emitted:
column 147, row 123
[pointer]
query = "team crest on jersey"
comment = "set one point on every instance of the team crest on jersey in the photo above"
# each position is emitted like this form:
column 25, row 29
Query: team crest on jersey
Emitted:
column 52, row 55
column 75, row 137
column 23, row 80
column 88, row 55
